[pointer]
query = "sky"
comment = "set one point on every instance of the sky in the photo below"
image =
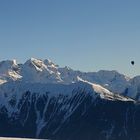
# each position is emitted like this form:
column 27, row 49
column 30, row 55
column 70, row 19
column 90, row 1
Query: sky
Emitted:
column 86, row 35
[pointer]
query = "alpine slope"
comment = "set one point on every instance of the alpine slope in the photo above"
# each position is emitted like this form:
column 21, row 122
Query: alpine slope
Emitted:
column 39, row 99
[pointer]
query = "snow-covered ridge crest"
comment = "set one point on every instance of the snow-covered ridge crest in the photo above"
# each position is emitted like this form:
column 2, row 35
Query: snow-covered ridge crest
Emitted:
column 105, row 93
column 18, row 88
column 45, row 71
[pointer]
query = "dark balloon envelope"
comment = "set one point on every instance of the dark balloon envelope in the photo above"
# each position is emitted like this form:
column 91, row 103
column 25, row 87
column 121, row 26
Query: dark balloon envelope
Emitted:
column 132, row 62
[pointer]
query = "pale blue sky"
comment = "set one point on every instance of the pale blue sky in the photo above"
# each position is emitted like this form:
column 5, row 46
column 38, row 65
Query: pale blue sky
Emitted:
column 88, row 35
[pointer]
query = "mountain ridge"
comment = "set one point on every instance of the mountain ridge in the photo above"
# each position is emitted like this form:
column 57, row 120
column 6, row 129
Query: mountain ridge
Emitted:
column 39, row 99
column 45, row 71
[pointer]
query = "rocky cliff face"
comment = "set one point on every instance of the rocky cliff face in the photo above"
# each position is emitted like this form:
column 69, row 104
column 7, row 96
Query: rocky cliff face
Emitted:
column 67, row 112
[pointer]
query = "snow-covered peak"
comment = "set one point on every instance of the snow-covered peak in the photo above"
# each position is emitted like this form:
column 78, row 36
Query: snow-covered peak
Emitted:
column 35, row 64
column 49, row 63
column 8, row 65
column 45, row 71
column 9, row 70
column 35, row 70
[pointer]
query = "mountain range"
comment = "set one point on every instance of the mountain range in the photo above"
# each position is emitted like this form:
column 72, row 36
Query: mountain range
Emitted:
column 39, row 99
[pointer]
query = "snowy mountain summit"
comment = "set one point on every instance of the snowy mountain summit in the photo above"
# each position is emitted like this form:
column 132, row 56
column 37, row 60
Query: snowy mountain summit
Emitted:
column 45, row 71
column 39, row 99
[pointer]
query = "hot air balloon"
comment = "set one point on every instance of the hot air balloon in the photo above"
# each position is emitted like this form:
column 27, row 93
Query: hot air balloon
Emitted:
column 132, row 62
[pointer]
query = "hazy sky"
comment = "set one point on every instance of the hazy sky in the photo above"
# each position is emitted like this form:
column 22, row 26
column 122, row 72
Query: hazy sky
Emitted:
column 88, row 35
